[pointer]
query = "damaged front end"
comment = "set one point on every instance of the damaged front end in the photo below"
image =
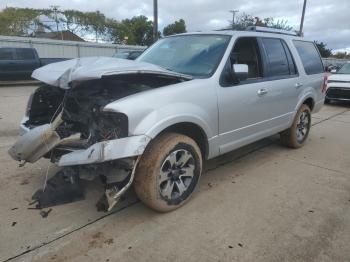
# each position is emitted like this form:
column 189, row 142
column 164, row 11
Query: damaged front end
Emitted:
column 65, row 122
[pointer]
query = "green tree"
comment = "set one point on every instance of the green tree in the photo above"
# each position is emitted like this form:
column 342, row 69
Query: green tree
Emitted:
column 17, row 21
column 25, row 22
column 120, row 33
column 135, row 31
column 280, row 24
column 142, row 30
column 177, row 27
column 324, row 51
column 244, row 20
column 96, row 22
column 75, row 21
column 342, row 55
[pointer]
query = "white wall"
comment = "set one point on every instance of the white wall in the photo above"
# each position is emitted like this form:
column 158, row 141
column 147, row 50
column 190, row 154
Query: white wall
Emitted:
column 48, row 48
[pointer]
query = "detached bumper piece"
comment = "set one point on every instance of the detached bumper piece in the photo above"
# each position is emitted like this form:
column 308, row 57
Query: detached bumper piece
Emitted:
column 338, row 93
column 65, row 187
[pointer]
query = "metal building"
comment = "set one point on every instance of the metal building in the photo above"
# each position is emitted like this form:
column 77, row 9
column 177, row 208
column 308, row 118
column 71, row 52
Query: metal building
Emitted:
column 48, row 48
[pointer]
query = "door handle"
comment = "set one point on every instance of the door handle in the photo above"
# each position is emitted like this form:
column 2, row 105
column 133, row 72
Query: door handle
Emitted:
column 262, row 92
column 298, row 85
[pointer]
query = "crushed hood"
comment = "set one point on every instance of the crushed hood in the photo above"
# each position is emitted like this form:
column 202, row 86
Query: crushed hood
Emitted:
column 62, row 73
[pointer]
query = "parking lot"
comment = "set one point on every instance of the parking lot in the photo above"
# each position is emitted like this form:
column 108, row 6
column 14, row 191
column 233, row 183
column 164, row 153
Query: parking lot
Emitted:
column 263, row 202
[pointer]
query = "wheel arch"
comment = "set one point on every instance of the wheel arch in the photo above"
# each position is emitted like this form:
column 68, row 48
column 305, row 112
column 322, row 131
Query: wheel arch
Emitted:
column 310, row 102
column 191, row 130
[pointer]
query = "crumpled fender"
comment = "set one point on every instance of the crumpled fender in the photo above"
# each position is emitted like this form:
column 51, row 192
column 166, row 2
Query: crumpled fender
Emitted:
column 107, row 151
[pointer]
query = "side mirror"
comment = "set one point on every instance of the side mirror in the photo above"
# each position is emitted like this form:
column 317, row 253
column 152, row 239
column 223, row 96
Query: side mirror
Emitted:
column 240, row 71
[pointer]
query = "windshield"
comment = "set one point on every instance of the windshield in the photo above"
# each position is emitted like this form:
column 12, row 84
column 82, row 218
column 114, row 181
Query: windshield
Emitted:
column 195, row 55
column 345, row 69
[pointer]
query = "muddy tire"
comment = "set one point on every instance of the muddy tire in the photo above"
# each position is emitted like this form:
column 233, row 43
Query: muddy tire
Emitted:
column 168, row 172
column 296, row 135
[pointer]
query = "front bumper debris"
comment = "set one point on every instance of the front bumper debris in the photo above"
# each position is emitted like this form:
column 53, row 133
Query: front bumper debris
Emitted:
column 106, row 151
column 64, row 187
column 36, row 143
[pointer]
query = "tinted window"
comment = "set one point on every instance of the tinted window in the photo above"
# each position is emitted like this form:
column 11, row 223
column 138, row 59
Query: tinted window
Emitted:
column 277, row 59
column 25, row 54
column 6, row 54
column 292, row 68
column 134, row 55
column 309, row 56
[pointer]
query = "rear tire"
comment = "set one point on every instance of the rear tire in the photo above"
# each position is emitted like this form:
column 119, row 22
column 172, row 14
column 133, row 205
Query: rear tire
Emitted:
column 168, row 172
column 296, row 135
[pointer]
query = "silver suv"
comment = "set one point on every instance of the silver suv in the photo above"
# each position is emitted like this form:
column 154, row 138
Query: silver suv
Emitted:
column 152, row 122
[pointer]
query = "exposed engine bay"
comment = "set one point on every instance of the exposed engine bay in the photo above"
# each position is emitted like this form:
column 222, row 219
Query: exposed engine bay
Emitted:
column 69, row 127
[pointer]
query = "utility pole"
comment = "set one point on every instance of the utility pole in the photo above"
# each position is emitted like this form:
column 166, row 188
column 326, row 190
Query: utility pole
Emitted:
column 155, row 20
column 302, row 19
column 55, row 10
column 233, row 17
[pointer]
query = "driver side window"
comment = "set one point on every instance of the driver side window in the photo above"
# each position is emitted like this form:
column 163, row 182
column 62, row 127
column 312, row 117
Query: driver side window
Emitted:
column 246, row 51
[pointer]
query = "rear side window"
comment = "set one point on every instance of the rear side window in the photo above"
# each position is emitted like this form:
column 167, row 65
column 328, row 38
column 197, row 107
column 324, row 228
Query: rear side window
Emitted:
column 310, row 57
column 277, row 58
column 25, row 54
column 6, row 54
column 292, row 68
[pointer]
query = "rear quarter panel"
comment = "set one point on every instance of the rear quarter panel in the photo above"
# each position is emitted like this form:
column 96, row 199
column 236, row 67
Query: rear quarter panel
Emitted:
column 312, row 84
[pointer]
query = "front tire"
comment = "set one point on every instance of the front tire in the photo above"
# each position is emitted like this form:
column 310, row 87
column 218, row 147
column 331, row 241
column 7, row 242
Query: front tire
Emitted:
column 296, row 135
column 168, row 172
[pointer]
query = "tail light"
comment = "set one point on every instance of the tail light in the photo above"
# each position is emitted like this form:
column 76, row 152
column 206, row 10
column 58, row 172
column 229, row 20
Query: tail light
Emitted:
column 325, row 83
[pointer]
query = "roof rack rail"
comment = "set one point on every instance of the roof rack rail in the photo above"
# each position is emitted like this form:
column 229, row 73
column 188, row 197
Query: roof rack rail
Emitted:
column 271, row 30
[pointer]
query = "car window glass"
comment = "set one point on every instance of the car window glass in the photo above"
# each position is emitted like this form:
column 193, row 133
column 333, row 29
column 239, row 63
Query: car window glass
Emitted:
column 196, row 55
column 246, row 51
column 277, row 59
column 25, row 54
column 6, row 54
column 134, row 55
column 310, row 57
column 345, row 69
column 292, row 67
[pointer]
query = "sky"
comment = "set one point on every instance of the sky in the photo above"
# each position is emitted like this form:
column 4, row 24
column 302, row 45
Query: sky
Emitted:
column 326, row 20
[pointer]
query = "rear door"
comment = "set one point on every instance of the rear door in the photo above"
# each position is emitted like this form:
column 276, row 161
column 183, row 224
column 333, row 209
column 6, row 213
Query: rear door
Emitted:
column 281, row 80
column 26, row 60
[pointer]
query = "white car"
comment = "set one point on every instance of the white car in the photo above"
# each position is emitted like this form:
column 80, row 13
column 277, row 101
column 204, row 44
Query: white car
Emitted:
column 338, row 87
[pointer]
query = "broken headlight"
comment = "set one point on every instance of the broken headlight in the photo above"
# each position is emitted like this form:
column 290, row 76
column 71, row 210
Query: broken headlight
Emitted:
column 110, row 126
